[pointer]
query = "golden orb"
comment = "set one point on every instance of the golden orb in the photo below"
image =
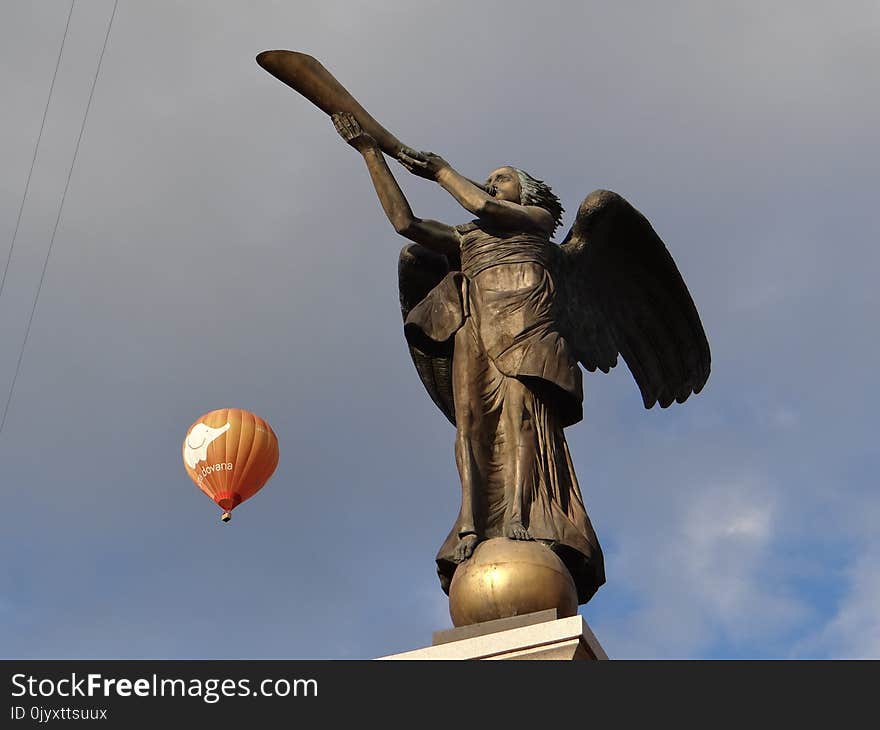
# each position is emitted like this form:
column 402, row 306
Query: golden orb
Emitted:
column 507, row 577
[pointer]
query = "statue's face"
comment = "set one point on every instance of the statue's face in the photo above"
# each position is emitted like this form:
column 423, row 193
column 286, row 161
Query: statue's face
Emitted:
column 503, row 184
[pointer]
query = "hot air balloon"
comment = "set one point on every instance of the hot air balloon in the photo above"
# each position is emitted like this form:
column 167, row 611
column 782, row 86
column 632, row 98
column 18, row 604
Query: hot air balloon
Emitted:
column 230, row 454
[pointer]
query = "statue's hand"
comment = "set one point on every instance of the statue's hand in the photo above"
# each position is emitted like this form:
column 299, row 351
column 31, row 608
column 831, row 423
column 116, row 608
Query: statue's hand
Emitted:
column 350, row 130
column 424, row 164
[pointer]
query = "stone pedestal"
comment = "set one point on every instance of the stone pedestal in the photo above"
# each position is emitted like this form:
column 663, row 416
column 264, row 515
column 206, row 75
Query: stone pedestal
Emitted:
column 532, row 636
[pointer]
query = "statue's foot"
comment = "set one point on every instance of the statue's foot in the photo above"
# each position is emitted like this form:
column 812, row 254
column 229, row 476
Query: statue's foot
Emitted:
column 515, row 531
column 465, row 548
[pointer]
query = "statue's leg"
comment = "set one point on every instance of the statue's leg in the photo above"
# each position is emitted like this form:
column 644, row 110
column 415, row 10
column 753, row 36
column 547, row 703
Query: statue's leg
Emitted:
column 519, row 457
column 466, row 364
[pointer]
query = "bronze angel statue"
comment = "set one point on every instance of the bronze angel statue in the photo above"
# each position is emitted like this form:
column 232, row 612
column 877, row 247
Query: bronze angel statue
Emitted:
column 499, row 319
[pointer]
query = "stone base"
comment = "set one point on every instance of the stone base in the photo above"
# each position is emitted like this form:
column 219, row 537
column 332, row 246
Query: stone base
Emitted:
column 534, row 636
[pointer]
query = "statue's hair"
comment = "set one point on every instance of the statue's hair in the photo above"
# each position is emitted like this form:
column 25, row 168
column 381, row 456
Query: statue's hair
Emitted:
column 537, row 192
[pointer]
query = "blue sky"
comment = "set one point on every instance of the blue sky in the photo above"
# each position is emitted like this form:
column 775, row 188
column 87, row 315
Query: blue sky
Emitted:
column 221, row 246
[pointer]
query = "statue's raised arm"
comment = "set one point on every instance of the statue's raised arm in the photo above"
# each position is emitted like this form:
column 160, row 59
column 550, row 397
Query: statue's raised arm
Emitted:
column 498, row 201
column 432, row 234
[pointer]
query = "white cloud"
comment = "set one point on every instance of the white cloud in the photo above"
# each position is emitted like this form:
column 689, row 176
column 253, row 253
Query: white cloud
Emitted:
column 854, row 630
column 704, row 579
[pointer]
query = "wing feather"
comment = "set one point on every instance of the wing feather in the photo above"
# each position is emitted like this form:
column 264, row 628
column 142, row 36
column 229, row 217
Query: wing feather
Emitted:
column 624, row 294
column 418, row 271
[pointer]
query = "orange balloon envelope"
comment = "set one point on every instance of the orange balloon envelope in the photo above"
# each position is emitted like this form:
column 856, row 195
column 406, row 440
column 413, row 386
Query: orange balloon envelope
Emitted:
column 230, row 454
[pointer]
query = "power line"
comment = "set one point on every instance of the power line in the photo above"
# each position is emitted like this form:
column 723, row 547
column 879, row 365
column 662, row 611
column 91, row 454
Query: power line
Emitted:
column 58, row 218
column 27, row 184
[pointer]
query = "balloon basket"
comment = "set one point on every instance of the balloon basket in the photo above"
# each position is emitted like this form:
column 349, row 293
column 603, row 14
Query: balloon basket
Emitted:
column 226, row 516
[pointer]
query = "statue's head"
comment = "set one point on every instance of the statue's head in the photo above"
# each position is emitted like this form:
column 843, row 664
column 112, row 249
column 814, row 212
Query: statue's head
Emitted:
column 517, row 186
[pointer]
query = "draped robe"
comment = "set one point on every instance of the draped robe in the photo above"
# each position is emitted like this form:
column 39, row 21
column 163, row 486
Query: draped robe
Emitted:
column 500, row 313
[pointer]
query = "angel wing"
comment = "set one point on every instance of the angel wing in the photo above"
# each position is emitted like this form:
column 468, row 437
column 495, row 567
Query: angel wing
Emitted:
column 622, row 293
column 419, row 270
